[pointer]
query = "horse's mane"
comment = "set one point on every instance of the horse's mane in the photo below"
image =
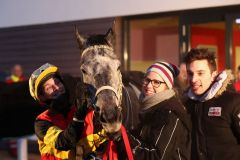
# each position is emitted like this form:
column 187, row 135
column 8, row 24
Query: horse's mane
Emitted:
column 133, row 77
column 84, row 42
column 96, row 40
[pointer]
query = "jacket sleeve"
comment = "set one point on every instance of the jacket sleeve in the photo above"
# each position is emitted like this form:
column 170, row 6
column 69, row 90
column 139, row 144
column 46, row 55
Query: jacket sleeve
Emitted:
column 56, row 138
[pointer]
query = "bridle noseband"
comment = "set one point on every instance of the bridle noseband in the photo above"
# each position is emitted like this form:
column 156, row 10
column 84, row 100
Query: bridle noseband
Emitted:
column 107, row 88
column 111, row 89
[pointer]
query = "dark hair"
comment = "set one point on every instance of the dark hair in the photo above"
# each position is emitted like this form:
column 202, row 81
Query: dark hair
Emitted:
column 201, row 54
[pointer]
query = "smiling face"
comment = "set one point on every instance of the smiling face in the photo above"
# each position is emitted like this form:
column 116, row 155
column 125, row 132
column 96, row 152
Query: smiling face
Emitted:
column 200, row 76
column 148, row 88
column 52, row 88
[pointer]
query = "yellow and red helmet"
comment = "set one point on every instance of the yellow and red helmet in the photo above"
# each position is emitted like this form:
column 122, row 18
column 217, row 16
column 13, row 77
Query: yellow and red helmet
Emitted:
column 38, row 76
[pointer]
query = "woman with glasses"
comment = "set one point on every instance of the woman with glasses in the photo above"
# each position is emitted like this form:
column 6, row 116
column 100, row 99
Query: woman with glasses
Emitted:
column 164, row 129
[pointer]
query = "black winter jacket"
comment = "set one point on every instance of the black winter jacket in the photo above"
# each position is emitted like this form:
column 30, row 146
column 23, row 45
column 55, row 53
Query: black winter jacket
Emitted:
column 216, row 126
column 164, row 133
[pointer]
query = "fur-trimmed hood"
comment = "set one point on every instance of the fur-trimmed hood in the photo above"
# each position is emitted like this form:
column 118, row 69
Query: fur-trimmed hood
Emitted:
column 223, row 79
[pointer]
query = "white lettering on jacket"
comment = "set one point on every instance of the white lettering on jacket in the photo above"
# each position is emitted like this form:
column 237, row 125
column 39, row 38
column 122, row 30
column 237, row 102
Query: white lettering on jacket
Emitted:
column 215, row 111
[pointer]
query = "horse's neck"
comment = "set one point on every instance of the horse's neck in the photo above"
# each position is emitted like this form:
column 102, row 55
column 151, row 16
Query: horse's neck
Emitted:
column 135, row 89
column 130, row 107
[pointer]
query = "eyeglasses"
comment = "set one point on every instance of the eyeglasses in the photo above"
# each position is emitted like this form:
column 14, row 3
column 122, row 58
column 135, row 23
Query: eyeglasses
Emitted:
column 155, row 83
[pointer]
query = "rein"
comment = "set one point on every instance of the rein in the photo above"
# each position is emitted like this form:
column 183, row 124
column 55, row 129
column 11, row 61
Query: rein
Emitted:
column 111, row 152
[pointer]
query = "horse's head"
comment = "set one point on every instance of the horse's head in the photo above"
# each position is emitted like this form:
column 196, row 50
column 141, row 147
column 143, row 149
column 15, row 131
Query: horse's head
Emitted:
column 101, row 69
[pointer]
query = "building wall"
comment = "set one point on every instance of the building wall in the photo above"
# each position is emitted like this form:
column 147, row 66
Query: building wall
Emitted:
column 32, row 46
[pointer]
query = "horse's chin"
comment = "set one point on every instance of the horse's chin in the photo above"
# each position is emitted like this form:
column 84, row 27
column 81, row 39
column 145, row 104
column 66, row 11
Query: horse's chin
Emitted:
column 112, row 127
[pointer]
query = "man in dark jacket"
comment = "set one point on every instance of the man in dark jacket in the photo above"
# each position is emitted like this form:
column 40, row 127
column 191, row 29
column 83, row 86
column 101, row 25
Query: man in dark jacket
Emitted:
column 215, row 110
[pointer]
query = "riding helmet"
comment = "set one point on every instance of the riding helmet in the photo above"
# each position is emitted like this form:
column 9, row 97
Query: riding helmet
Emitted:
column 41, row 75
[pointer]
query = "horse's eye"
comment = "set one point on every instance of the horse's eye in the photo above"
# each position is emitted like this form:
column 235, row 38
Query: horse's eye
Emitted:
column 84, row 71
column 118, row 68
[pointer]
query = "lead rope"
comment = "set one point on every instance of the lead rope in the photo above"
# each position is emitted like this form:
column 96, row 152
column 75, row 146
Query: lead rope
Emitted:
column 111, row 152
column 126, row 143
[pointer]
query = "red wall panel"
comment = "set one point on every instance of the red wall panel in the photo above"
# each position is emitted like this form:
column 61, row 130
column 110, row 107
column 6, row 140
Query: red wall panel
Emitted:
column 213, row 37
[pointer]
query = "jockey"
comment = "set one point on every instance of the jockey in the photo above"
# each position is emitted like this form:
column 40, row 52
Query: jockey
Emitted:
column 60, row 127
column 66, row 129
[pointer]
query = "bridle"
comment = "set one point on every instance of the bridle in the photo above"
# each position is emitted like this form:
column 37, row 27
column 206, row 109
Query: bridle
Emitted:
column 95, row 47
column 118, row 91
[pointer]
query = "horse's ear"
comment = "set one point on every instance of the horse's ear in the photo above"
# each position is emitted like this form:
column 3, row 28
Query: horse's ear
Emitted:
column 110, row 37
column 114, row 26
column 81, row 40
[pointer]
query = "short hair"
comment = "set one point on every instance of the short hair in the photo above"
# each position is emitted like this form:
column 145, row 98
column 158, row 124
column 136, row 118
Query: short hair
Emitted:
column 201, row 54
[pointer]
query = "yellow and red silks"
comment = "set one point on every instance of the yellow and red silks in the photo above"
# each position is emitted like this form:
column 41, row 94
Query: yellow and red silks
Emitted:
column 91, row 140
